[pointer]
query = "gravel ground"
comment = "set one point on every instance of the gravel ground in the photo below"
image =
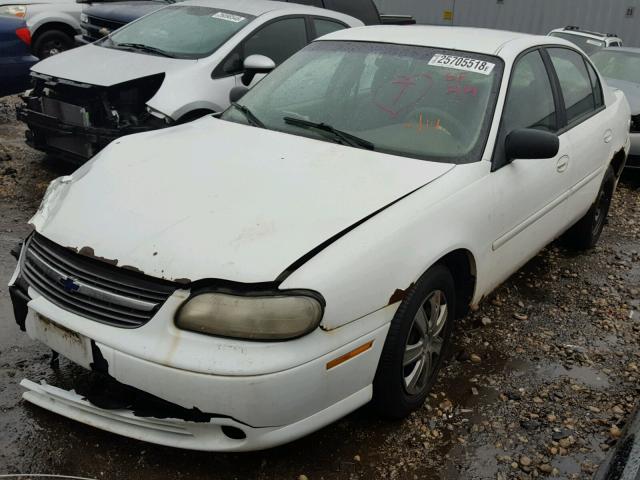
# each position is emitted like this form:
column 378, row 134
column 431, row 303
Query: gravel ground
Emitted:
column 539, row 381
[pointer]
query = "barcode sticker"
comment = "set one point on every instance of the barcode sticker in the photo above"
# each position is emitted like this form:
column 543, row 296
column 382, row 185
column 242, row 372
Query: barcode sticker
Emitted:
column 462, row 63
column 228, row 17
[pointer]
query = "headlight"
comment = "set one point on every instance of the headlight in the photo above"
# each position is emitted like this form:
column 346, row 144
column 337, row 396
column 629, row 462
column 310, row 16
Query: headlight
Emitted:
column 252, row 317
column 14, row 10
column 84, row 18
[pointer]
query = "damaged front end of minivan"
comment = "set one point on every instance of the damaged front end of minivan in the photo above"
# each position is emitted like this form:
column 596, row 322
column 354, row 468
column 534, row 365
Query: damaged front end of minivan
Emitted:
column 76, row 120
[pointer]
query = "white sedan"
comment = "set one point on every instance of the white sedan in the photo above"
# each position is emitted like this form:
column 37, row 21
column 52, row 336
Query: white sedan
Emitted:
column 241, row 282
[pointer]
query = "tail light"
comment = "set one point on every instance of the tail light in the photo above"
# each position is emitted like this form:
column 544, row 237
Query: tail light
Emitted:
column 24, row 34
column 635, row 123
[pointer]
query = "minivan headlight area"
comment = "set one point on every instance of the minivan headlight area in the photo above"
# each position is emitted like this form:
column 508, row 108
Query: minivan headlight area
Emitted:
column 262, row 316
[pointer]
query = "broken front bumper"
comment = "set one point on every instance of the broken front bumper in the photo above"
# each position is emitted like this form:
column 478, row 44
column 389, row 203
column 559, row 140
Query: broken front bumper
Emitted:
column 268, row 392
column 73, row 141
column 212, row 436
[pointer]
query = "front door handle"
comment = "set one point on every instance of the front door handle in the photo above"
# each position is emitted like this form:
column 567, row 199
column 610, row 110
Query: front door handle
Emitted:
column 562, row 164
column 608, row 136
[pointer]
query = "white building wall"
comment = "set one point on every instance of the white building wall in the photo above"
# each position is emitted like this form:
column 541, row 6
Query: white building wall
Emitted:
column 532, row 16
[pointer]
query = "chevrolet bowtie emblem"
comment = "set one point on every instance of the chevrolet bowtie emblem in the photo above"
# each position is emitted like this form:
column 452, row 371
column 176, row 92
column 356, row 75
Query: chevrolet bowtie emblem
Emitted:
column 69, row 285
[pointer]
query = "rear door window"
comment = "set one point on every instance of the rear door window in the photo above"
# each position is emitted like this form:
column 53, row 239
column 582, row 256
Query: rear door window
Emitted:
column 364, row 10
column 278, row 40
column 575, row 83
column 324, row 26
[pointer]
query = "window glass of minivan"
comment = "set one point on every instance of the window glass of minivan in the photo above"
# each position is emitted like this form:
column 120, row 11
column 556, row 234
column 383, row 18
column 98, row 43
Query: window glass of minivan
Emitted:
column 623, row 66
column 181, row 31
column 588, row 45
column 411, row 101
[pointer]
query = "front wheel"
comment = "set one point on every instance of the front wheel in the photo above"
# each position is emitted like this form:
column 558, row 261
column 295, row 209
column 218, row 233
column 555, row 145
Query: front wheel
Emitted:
column 414, row 348
column 586, row 232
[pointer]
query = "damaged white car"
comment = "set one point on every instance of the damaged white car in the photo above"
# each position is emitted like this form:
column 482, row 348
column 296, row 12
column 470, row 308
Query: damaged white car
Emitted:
column 243, row 281
column 171, row 66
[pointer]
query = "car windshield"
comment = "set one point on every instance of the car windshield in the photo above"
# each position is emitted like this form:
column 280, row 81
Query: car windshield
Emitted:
column 412, row 101
column 179, row 31
column 588, row 45
column 618, row 65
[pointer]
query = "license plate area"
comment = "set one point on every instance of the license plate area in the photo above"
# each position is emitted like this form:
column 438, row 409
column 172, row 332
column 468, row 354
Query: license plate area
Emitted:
column 70, row 344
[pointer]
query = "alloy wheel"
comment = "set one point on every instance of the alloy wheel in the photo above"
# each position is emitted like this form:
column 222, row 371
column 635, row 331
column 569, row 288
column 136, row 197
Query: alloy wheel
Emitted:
column 424, row 342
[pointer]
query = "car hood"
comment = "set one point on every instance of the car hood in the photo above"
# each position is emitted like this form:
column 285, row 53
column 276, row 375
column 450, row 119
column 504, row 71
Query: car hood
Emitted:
column 123, row 12
column 215, row 199
column 105, row 66
column 631, row 91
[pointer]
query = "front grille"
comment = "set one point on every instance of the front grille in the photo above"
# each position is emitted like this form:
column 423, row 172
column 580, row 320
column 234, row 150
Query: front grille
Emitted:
column 91, row 288
column 635, row 124
column 101, row 22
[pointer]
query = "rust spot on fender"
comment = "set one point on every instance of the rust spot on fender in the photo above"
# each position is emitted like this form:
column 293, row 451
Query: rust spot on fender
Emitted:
column 399, row 295
column 88, row 252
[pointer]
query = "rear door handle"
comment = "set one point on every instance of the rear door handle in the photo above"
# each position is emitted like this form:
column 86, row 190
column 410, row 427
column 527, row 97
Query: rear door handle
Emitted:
column 608, row 136
column 562, row 164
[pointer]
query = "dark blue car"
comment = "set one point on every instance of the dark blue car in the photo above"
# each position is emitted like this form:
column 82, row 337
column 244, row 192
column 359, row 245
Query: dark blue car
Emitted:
column 15, row 55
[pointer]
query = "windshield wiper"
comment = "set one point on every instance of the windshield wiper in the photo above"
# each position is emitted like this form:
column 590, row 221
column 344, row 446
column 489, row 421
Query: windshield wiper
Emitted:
column 253, row 120
column 144, row 48
column 338, row 135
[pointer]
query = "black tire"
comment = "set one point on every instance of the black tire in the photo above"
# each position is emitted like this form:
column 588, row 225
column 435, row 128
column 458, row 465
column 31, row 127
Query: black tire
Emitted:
column 391, row 397
column 51, row 42
column 586, row 232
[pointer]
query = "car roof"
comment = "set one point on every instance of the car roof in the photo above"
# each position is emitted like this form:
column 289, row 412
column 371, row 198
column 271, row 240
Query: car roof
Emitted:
column 480, row 40
column 254, row 7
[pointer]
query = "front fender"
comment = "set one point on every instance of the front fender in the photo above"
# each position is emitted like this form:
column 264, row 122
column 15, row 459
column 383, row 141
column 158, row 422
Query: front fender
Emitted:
column 361, row 272
column 175, row 100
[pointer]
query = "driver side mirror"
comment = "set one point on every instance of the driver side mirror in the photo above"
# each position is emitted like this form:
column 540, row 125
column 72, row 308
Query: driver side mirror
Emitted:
column 529, row 143
column 255, row 64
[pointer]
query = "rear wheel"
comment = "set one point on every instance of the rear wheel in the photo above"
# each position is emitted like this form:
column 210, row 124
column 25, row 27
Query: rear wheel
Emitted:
column 51, row 42
column 414, row 348
column 585, row 234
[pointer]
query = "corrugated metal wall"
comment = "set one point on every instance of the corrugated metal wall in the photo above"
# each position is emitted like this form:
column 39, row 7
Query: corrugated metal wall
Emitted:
column 533, row 16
